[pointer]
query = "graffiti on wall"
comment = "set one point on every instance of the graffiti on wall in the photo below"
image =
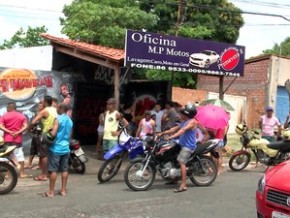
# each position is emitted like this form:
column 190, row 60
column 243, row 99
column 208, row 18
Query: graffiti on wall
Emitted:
column 27, row 88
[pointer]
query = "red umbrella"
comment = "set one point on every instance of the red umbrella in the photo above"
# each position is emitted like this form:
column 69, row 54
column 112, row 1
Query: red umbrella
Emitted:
column 212, row 117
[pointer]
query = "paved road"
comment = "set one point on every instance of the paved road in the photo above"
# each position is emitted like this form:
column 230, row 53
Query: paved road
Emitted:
column 232, row 195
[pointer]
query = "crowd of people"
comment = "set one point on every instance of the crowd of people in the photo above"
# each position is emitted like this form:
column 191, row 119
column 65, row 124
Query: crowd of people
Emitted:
column 174, row 121
column 53, row 154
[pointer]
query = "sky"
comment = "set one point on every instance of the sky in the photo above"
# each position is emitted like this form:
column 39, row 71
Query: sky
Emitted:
column 258, row 33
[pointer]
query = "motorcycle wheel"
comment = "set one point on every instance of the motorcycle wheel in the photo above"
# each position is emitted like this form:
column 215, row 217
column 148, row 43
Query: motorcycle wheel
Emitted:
column 79, row 167
column 110, row 168
column 240, row 161
column 205, row 175
column 136, row 182
column 8, row 178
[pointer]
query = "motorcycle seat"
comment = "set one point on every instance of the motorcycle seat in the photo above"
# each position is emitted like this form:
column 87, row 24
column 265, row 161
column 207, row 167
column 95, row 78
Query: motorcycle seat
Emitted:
column 282, row 145
column 200, row 148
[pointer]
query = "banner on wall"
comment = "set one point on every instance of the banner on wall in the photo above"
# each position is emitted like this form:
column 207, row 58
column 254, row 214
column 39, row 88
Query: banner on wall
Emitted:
column 164, row 52
column 27, row 88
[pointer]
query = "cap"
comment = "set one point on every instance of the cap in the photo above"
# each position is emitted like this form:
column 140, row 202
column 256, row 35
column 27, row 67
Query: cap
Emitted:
column 111, row 101
column 269, row 108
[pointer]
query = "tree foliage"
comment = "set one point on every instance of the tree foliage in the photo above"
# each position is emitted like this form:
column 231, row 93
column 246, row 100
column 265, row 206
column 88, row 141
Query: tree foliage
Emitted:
column 280, row 49
column 30, row 37
column 104, row 22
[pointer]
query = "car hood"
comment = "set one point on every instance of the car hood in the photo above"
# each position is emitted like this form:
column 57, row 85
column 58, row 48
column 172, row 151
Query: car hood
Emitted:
column 279, row 176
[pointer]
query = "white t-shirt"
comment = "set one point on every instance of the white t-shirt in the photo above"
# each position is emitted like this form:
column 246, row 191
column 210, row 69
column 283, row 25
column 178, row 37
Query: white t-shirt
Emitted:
column 159, row 116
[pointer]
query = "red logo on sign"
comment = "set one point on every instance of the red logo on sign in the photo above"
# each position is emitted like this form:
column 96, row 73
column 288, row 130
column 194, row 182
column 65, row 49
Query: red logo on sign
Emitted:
column 230, row 58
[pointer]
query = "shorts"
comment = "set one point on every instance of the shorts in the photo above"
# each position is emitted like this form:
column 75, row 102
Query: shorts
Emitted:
column 18, row 153
column 34, row 143
column 42, row 150
column 184, row 155
column 221, row 144
column 108, row 144
column 57, row 163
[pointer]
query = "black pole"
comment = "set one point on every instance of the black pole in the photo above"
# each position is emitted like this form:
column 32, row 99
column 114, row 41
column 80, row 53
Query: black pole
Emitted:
column 221, row 87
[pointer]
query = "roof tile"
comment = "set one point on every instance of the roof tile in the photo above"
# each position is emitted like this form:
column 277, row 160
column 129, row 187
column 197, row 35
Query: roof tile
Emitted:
column 102, row 51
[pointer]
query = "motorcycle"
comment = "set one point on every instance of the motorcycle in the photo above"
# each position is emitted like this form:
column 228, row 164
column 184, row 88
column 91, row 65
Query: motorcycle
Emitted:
column 8, row 174
column 162, row 157
column 77, row 157
column 127, row 145
column 269, row 154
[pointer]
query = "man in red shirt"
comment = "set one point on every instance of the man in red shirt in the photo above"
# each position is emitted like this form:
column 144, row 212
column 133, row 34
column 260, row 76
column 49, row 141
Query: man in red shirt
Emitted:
column 14, row 123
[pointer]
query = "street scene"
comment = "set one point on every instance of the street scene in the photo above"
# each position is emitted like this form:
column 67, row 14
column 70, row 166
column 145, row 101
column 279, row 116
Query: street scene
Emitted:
column 148, row 108
column 87, row 198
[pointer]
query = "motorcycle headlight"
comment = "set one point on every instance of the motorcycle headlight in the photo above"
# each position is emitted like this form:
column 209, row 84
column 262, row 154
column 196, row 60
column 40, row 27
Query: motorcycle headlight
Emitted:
column 261, row 184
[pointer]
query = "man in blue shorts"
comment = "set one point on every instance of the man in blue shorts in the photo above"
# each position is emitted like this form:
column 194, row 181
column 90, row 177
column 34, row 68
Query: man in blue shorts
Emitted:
column 186, row 132
column 59, row 151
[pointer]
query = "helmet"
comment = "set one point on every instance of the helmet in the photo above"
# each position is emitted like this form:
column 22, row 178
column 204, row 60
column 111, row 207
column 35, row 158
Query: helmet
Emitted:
column 286, row 135
column 189, row 111
column 46, row 138
column 241, row 129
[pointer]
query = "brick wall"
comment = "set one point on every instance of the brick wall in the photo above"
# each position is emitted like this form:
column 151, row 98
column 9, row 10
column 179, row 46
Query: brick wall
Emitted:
column 253, row 85
column 183, row 96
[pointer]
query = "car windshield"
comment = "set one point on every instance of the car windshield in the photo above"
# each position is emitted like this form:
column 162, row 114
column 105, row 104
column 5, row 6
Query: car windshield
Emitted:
column 206, row 52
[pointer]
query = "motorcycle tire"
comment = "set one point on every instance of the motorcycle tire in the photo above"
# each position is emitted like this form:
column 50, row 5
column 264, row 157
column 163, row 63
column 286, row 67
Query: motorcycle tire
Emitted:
column 7, row 172
column 237, row 159
column 209, row 166
column 112, row 171
column 137, row 165
column 79, row 167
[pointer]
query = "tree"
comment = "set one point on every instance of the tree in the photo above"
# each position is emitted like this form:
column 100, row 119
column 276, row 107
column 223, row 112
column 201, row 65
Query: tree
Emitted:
column 28, row 38
column 282, row 49
column 104, row 22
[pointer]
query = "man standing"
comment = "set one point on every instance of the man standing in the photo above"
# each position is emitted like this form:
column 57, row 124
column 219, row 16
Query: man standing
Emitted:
column 158, row 113
column 59, row 151
column 170, row 116
column 267, row 123
column 146, row 126
column 186, row 132
column 46, row 116
column 112, row 117
column 14, row 123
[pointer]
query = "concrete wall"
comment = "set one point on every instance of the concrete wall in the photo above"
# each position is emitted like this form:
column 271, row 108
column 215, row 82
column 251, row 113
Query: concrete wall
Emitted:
column 37, row 58
column 280, row 68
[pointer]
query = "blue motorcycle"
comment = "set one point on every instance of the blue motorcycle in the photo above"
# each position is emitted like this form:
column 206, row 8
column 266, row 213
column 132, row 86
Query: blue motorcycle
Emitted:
column 127, row 146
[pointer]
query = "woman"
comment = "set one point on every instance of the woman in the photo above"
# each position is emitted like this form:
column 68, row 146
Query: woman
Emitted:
column 146, row 126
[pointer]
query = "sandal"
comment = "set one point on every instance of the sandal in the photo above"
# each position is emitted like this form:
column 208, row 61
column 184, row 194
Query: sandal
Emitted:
column 48, row 195
column 180, row 189
column 62, row 193
column 38, row 178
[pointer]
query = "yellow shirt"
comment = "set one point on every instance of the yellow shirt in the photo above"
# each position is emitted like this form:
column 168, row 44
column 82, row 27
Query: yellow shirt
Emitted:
column 47, row 123
column 111, row 125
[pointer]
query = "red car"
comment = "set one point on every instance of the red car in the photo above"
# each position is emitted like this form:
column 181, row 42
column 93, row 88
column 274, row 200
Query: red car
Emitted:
column 273, row 193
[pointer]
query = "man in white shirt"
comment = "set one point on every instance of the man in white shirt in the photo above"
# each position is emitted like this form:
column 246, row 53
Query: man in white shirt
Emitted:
column 158, row 114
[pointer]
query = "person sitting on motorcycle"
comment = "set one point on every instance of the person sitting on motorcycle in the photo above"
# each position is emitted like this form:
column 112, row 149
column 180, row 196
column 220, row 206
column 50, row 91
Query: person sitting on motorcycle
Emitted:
column 186, row 132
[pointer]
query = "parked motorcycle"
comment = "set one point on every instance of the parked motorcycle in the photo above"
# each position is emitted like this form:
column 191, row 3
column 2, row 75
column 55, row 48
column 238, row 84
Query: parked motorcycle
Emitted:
column 77, row 157
column 162, row 157
column 8, row 174
column 127, row 145
column 265, row 152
